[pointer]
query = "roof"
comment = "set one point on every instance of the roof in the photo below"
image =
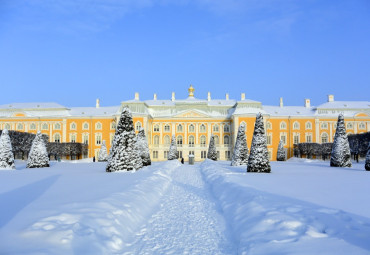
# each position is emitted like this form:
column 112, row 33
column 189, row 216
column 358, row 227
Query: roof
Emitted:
column 289, row 110
column 36, row 105
column 346, row 104
column 93, row 111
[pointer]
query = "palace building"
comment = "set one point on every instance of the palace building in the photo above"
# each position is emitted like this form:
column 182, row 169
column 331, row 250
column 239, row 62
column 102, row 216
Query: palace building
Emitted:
column 191, row 120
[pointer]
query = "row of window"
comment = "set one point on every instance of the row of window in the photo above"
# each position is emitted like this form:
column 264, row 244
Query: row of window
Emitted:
column 191, row 128
column 191, row 140
column 283, row 125
column 203, row 154
column 57, row 126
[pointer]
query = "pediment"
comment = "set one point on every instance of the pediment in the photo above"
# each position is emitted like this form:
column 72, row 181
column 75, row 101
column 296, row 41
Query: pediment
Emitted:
column 19, row 114
column 191, row 114
column 361, row 114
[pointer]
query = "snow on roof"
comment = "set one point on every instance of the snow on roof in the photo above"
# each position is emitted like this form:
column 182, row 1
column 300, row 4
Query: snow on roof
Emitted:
column 159, row 102
column 289, row 110
column 36, row 105
column 93, row 111
column 222, row 102
column 346, row 104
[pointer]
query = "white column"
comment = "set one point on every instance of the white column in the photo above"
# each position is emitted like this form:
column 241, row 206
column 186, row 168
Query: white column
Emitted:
column 26, row 126
column 355, row 127
column 368, row 126
column 173, row 129
column 221, row 134
column 331, row 131
column 317, row 128
column 196, row 133
column 51, row 132
column 64, row 126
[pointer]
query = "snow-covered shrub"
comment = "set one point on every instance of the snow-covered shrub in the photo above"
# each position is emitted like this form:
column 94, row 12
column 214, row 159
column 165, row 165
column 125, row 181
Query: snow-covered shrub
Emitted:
column 6, row 153
column 281, row 152
column 240, row 154
column 340, row 153
column 367, row 161
column 142, row 145
column 212, row 152
column 103, row 153
column 38, row 156
column 173, row 153
column 124, row 155
column 259, row 158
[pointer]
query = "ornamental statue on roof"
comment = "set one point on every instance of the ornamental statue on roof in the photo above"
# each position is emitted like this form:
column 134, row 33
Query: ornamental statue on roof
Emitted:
column 191, row 91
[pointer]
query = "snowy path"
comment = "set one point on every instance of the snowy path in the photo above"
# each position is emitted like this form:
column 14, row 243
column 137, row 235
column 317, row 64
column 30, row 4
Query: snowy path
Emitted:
column 187, row 221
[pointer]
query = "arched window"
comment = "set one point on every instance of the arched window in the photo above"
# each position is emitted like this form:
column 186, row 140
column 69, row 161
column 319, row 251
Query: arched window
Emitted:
column 98, row 126
column 226, row 140
column 73, row 126
column 57, row 138
column 156, row 140
column 113, row 125
column 85, row 125
column 324, row 138
column 203, row 141
column 85, row 138
column 227, row 128
column 283, row 125
column 179, row 128
column 167, row 128
column 167, row 140
column 308, row 125
column 191, row 128
column 73, row 138
column 33, row 126
column 138, row 125
column 191, row 141
column 57, row 126
column 361, row 125
column 7, row 126
column 156, row 128
column 20, row 126
column 216, row 128
column 202, row 128
column 179, row 141
column 296, row 125
column 217, row 140
column 268, row 125
column 98, row 138
column 349, row 125
column 324, row 125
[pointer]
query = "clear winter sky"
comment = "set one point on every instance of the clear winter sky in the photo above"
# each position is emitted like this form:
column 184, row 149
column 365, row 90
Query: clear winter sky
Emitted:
column 74, row 51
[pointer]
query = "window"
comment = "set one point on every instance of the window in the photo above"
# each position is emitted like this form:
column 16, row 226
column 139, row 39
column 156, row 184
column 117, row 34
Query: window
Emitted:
column 227, row 155
column 85, row 138
column 73, row 138
column 156, row 140
column 217, row 140
column 309, row 138
column 362, row 125
column 269, row 139
column 270, row 154
column 324, row 125
column 57, row 126
column 20, row 126
column 349, row 125
column 167, row 140
column 296, row 138
column 218, row 155
column 57, row 138
column 167, row 128
column 283, row 138
column 203, row 154
column 98, row 139
column 165, row 154
column 138, row 126
column 179, row 141
column 191, row 152
column 268, row 125
column 180, row 154
column 191, row 141
column 296, row 125
column 98, row 126
column 203, row 141
column 283, row 125
column 156, row 128
column 202, row 128
column 155, row 154
column 227, row 128
column 73, row 126
column 226, row 140
column 216, row 128
column 308, row 125
column 191, row 128
column 85, row 125
column 7, row 126
column 324, row 138
column 179, row 128
column 113, row 125
column 33, row 126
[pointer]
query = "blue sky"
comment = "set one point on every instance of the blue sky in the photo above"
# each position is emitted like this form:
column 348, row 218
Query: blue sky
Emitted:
column 74, row 51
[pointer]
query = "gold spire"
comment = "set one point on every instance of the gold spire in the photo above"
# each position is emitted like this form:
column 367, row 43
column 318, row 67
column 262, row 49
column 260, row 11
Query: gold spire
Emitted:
column 191, row 91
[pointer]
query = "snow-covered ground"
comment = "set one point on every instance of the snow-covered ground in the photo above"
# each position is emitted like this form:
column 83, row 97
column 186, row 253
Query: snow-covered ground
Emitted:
column 302, row 207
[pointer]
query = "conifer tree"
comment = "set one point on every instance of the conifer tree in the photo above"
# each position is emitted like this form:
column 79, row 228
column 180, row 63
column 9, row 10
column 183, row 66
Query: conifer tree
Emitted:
column 240, row 154
column 212, row 152
column 173, row 153
column 281, row 152
column 38, row 156
column 124, row 155
column 367, row 161
column 103, row 153
column 340, row 152
column 259, row 158
column 6, row 153
column 143, row 147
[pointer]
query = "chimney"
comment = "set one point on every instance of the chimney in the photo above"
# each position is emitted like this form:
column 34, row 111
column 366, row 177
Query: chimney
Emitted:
column 173, row 96
column 209, row 96
column 137, row 96
column 330, row 98
column 242, row 96
column 227, row 96
column 97, row 103
column 307, row 103
column 155, row 96
column 281, row 102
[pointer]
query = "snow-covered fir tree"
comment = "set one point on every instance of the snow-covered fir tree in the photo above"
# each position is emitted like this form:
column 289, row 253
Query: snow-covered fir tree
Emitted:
column 38, row 156
column 123, row 155
column 367, row 161
column 281, row 152
column 173, row 153
column 6, row 153
column 259, row 158
column 340, row 152
column 142, row 145
column 240, row 154
column 212, row 152
column 103, row 153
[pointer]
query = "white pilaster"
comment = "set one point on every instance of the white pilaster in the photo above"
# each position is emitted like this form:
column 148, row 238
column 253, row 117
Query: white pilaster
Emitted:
column 64, row 126
column 317, row 128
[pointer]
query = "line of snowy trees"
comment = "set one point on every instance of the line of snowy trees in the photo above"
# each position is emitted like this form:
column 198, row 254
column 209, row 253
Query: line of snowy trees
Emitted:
column 67, row 149
column 359, row 143
column 313, row 149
